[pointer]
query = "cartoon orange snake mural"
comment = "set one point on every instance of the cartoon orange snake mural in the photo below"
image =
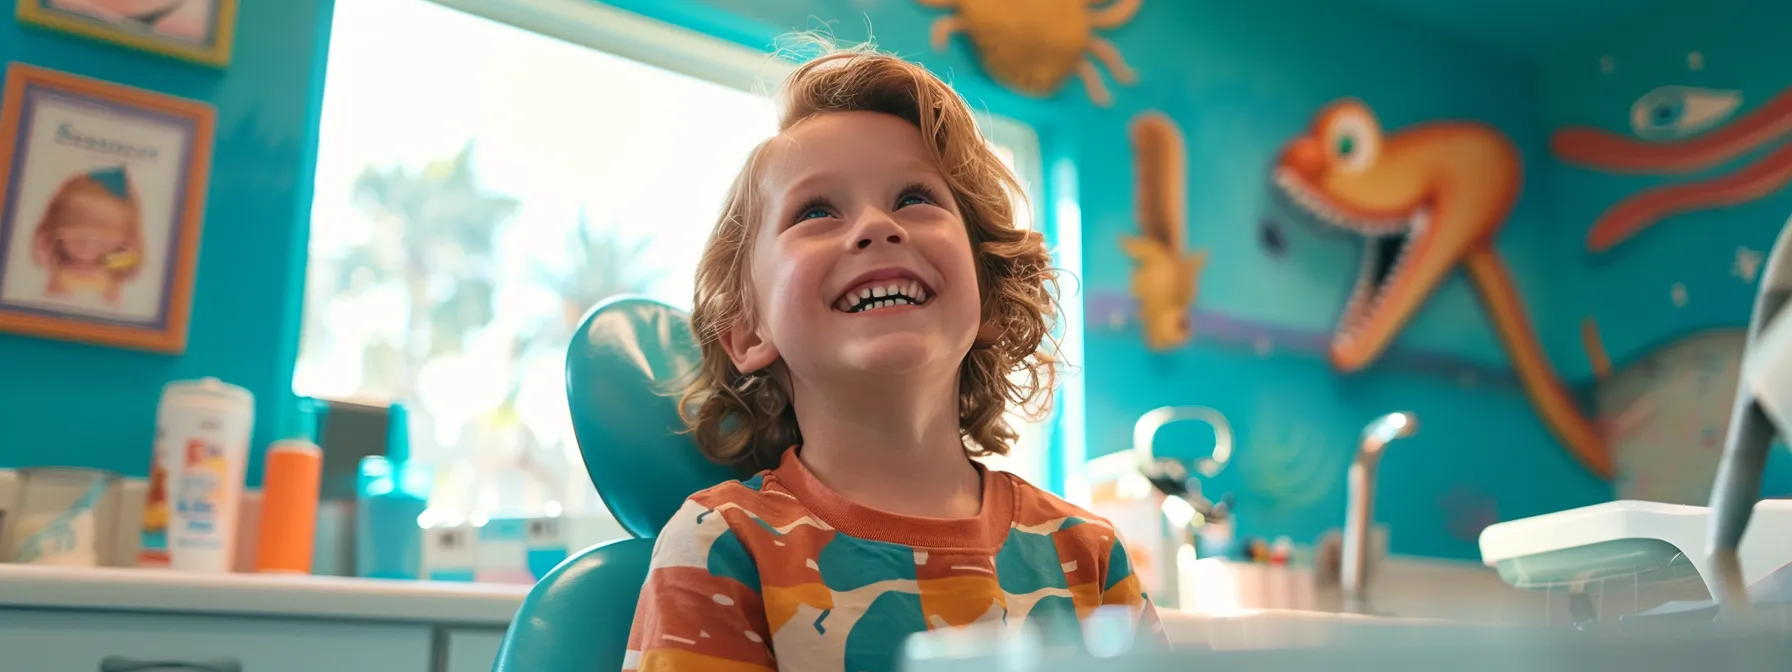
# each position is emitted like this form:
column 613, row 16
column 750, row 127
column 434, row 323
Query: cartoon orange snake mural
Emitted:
column 1033, row 46
column 1165, row 278
column 1427, row 199
column 1611, row 152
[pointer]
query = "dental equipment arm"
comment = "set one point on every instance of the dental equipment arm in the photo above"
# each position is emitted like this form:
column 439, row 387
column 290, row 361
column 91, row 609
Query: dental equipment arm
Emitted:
column 1763, row 408
column 1144, row 435
column 1182, row 502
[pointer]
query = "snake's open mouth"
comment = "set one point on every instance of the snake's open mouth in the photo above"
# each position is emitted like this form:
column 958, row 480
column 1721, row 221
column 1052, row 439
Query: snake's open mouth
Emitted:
column 1383, row 258
column 1387, row 246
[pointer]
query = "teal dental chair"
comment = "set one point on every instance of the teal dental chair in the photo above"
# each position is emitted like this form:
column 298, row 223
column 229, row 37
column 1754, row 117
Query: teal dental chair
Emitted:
column 626, row 353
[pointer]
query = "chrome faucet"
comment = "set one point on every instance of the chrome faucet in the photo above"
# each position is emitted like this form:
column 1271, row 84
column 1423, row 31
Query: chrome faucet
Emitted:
column 1359, row 512
column 1763, row 409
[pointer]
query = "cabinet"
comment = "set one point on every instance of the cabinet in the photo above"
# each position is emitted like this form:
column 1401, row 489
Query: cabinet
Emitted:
column 87, row 641
column 472, row 650
column 62, row 619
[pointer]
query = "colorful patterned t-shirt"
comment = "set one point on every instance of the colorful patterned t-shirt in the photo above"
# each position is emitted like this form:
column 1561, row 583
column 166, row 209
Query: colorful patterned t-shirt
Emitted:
column 780, row 572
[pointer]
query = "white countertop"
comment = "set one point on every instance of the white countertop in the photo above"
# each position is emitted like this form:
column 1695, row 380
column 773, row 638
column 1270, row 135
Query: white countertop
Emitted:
column 328, row 597
column 1418, row 589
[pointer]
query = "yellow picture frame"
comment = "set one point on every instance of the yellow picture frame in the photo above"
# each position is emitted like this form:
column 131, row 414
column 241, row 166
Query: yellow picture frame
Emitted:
column 86, row 19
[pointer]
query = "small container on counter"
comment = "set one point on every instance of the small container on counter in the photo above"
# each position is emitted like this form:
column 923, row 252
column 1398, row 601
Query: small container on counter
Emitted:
column 392, row 492
column 1282, row 551
column 196, row 479
column 504, row 549
column 62, row 516
column 388, row 538
column 9, row 496
column 450, row 552
column 545, row 545
column 290, row 486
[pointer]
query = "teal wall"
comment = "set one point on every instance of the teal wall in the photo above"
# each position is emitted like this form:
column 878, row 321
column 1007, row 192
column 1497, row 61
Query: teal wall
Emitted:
column 1241, row 79
column 63, row 403
column 1627, row 289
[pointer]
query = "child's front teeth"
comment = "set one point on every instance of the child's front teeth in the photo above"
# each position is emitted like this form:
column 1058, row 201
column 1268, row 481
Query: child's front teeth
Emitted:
column 901, row 293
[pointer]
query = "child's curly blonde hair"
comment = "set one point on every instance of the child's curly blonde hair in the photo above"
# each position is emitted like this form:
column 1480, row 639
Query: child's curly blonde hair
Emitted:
column 749, row 420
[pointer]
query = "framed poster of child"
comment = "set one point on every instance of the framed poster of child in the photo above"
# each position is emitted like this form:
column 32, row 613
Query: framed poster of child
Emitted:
column 102, row 189
column 200, row 31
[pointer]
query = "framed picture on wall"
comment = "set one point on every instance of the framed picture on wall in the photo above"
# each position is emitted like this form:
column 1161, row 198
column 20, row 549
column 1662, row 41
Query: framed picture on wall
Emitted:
column 102, row 189
column 199, row 31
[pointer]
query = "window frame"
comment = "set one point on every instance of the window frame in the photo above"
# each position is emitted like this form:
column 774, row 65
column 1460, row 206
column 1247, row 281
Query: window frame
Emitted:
column 619, row 32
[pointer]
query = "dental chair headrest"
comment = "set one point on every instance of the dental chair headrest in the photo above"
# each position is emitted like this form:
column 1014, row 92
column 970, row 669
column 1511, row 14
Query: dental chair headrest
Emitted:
column 623, row 371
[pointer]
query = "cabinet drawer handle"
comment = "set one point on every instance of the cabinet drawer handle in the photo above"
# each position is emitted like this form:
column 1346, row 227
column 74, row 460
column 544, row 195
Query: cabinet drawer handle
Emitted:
column 123, row 664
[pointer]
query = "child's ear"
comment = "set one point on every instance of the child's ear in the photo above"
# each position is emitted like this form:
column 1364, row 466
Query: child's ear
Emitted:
column 988, row 333
column 747, row 349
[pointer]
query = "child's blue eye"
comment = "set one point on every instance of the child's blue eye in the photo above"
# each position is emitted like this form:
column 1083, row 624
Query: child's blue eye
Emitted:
column 814, row 208
column 917, row 194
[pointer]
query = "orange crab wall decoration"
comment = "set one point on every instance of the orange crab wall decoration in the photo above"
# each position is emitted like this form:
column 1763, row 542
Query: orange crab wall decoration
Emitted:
column 1032, row 46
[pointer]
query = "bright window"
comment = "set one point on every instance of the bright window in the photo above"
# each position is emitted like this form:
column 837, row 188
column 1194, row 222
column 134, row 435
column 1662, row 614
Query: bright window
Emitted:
column 472, row 203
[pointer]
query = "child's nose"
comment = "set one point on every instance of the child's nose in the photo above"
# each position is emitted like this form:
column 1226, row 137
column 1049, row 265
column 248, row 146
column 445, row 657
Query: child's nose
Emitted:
column 893, row 239
column 876, row 227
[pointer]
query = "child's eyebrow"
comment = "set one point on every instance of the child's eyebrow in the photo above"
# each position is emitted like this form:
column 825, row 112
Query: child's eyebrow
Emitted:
column 920, row 166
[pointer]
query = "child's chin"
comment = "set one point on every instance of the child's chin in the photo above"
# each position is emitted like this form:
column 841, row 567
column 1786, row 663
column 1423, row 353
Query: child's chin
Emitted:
column 894, row 354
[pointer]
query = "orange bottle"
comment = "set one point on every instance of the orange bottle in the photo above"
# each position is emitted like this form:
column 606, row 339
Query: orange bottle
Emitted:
column 289, row 492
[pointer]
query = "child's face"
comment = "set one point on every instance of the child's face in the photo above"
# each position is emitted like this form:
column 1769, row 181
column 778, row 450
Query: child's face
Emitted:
column 91, row 227
column 854, row 211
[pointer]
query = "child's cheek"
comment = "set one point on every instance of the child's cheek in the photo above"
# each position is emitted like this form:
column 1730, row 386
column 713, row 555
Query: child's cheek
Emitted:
column 789, row 286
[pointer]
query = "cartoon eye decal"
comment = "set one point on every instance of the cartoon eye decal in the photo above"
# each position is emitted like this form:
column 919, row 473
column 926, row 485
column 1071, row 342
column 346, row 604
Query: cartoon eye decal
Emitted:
column 1353, row 139
column 1677, row 111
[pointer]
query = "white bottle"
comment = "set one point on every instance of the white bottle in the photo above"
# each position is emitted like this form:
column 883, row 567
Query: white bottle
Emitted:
column 206, row 425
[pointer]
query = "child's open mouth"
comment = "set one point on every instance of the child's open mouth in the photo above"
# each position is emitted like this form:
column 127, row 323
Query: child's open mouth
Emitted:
column 878, row 295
